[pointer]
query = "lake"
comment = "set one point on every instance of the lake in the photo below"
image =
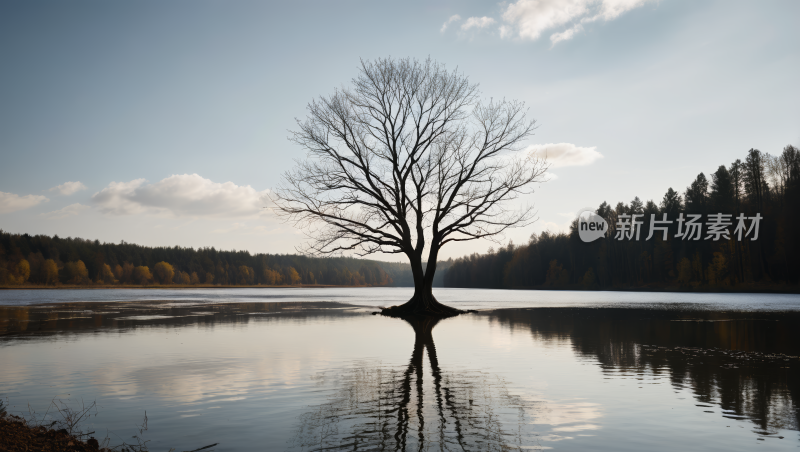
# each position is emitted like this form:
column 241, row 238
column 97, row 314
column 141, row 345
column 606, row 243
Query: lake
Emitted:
column 313, row 369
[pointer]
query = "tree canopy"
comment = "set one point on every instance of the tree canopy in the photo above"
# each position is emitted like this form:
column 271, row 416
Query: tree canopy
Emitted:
column 407, row 159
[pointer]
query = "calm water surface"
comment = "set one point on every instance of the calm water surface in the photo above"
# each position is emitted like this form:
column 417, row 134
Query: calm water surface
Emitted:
column 387, row 296
column 312, row 369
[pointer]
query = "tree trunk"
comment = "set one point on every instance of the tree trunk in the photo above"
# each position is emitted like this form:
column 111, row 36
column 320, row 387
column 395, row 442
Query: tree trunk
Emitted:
column 423, row 302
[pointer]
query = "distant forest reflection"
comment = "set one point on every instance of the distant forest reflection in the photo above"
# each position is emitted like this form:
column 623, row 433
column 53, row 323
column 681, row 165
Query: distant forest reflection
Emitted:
column 20, row 322
column 744, row 362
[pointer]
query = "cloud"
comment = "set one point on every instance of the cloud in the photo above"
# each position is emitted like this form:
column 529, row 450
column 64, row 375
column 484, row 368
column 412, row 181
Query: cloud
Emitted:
column 9, row 202
column 565, row 154
column 565, row 35
column 68, row 188
column 454, row 18
column 70, row 210
column 477, row 22
column 529, row 19
column 182, row 195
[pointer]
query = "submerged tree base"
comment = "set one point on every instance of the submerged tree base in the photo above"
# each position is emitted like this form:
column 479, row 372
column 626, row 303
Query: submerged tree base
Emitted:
column 421, row 305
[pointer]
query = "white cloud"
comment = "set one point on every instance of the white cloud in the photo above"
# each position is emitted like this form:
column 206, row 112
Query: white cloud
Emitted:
column 529, row 19
column 477, row 22
column 9, row 202
column 183, row 195
column 611, row 9
column 454, row 18
column 68, row 188
column 70, row 210
column 565, row 154
column 532, row 17
column 565, row 35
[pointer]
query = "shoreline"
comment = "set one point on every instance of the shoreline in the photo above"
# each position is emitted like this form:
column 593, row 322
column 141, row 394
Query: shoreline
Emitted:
column 741, row 288
column 171, row 287
column 16, row 434
column 749, row 289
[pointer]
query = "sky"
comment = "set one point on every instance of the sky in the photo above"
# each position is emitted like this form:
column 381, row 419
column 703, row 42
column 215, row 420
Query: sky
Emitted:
column 167, row 123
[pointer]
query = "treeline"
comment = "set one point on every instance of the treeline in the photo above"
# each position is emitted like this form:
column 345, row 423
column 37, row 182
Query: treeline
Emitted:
column 762, row 184
column 44, row 260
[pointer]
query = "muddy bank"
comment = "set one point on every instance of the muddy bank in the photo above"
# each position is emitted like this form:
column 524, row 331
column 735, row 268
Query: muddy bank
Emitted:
column 17, row 435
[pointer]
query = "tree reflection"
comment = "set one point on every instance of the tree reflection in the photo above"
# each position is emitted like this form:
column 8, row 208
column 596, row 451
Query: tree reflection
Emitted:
column 378, row 407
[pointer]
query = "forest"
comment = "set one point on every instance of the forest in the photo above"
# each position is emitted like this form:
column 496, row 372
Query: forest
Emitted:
column 761, row 184
column 56, row 261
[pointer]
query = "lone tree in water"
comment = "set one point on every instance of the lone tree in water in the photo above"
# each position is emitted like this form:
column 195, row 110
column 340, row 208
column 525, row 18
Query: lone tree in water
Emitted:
column 408, row 160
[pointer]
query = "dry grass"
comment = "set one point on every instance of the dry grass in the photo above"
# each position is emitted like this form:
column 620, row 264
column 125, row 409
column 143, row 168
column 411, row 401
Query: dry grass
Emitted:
column 59, row 429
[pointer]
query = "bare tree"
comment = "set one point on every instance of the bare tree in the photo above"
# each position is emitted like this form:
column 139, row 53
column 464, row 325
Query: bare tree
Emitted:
column 777, row 174
column 406, row 160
